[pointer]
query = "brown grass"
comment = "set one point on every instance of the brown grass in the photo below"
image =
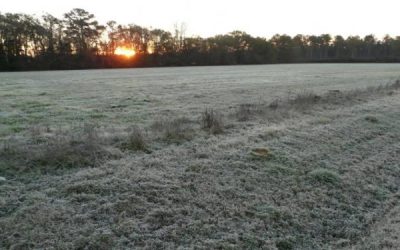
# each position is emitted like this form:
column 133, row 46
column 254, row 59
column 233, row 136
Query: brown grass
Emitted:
column 307, row 100
column 79, row 147
column 208, row 193
column 83, row 146
column 174, row 130
column 211, row 121
column 136, row 140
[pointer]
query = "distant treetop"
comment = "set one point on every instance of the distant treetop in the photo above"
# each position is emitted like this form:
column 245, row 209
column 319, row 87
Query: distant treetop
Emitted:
column 79, row 41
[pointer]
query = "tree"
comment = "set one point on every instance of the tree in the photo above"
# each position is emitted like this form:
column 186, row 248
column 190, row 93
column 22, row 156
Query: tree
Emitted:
column 299, row 47
column 52, row 26
column 77, row 41
column 369, row 44
column 82, row 30
column 180, row 30
column 387, row 46
column 339, row 45
column 325, row 44
column 354, row 43
column 314, row 47
column 109, row 48
column 284, row 46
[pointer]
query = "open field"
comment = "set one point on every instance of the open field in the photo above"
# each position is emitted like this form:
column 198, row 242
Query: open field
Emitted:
column 244, row 157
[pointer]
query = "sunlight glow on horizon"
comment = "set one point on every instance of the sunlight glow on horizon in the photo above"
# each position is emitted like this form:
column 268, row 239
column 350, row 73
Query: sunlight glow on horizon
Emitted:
column 124, row 51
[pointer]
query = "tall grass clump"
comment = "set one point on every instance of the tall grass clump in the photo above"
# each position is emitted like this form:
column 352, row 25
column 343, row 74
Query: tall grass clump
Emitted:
column 212, row 121
column 174, row 130
column 243, row 112
column 71, row 149
column 396, row 84
column 324, row 176
column 76, row 147
column 304, row 100
column 136, row 140
column 307, row 100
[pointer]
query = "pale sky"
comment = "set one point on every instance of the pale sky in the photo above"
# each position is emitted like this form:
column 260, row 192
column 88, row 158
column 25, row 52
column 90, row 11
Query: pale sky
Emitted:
column 257, row 17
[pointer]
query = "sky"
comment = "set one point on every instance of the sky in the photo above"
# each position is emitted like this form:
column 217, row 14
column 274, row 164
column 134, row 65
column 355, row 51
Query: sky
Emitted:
column 257, row 17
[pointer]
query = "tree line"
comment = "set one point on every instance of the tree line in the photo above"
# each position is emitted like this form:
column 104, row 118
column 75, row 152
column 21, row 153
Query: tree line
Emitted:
column 78, row 41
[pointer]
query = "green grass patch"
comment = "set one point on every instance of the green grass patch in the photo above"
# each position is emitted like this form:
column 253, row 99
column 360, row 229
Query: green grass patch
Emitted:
column 371, row 119
column 324, row 176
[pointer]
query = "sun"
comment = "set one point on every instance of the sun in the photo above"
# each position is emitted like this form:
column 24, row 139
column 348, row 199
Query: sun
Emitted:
column 124, row 51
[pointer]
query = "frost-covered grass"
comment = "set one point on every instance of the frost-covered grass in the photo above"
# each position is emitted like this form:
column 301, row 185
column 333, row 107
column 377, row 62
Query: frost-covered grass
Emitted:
column 145, row 170
column 140, row 96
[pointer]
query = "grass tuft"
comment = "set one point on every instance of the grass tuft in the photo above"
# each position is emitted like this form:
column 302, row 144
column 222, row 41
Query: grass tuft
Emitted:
column 174, row 130
column 285, row 245
column 324, row 176
column 81, row 147
column 212, row 121
column 304, row 100
column 243, row 112
column 371, row 119
column 136, row 140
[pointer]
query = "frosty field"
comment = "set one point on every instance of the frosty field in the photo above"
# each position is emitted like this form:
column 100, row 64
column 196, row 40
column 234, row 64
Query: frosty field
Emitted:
column 239, row 157
column 137, row 95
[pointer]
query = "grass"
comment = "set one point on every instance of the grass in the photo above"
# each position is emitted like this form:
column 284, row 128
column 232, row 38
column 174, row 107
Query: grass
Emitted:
column 136, row 140
column 324, row 176
column 174, row 130
column 211, row 121
column 323, row 184
column 285, row 245
column 371, row 119
column 80, row 147
column 307, row 100
column 244, row 112
column 304, row 100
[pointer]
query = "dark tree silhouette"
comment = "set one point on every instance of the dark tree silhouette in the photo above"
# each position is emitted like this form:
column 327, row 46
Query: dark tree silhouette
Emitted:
column 82, row 31
column 78, row 41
